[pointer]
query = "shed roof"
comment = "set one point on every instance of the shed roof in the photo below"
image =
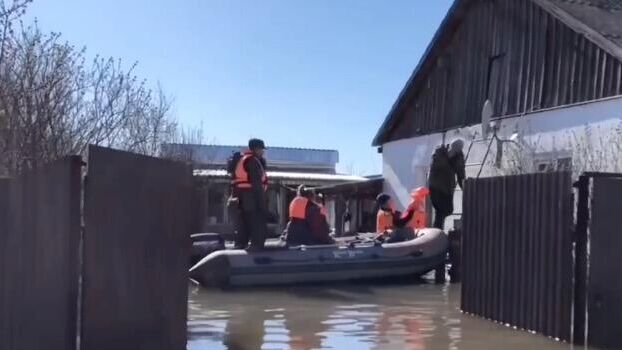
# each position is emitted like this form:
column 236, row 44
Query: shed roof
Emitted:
column 276, row 156
column 283, row 175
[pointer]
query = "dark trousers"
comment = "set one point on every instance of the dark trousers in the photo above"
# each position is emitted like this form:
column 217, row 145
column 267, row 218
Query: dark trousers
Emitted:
column 443, row 204
column 253, row 226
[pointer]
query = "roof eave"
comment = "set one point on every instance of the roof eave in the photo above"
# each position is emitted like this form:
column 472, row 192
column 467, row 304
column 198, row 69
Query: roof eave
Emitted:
column 580, row 27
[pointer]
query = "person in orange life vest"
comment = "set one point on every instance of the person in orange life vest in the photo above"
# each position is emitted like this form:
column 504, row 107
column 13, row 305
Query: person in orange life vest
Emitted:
column 420, row 218
column 249, row 185
column 306, row 223
column 392, row 222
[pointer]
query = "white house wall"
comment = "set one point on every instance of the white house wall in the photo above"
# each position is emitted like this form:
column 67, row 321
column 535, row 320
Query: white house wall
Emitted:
column 559, row 132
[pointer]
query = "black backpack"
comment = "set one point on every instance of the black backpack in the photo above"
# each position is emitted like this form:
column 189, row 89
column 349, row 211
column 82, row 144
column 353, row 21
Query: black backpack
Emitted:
column 232, row 163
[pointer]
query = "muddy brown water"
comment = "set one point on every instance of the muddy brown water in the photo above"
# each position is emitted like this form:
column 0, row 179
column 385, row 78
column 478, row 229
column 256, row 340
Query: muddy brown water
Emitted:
column 410, row 316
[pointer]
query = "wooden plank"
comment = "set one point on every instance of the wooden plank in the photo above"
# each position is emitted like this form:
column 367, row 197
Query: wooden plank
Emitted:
column 540, row 53
column 559, row 58
column 596, row 80
column 544, row 77
column 508, row 39
column 588, row 52
column 602, row 76
column 522, row 31
column 529, row 80
column 566, row 63
column 575, row 76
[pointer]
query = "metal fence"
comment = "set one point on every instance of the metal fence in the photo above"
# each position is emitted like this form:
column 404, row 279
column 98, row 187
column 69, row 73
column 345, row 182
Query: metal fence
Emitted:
column 39, row 243
column 517, row 251
column 136, row 247
column 599, row 271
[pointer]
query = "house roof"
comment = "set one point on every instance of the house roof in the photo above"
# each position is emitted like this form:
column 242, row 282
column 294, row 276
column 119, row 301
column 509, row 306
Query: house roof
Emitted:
column 276, row 156
column 285, row 175
column 600, row 21
column 370, row 188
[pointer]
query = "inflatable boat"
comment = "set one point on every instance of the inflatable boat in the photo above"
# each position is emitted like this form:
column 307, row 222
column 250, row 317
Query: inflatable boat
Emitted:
column 365, row 259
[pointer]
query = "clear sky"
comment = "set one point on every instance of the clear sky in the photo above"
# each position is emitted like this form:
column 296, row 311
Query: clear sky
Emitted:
column 297, row 73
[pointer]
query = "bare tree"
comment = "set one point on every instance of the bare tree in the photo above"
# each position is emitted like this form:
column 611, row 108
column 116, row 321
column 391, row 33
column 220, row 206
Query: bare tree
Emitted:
column 52, row 103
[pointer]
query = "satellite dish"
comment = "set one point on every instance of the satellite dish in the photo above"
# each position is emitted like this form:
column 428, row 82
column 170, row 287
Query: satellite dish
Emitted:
column 487, row 112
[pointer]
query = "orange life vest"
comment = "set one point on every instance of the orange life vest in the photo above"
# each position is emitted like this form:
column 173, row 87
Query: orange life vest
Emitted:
column 298, row 208
column 420, row 219
column 241, row 175
column 384, row 220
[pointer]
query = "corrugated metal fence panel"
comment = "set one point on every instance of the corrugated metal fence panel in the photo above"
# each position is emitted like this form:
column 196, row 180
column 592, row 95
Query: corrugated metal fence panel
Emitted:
column 39, row 242
column 605, row 275
column 4, row 209
column 137, row 239
column 517, row 255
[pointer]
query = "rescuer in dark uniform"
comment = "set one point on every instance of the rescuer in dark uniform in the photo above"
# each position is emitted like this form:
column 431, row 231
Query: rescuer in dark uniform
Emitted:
column 447, row 170
column 250, row 185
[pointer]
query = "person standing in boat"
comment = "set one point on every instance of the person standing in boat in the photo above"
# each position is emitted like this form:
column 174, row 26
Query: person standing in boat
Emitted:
column 307, row 225
column 391, row 222
column 250, row 184
column 447, row 170
column 318, row 199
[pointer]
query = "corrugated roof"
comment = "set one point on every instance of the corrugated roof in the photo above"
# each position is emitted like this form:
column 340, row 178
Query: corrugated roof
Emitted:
column 600, row 21
column 276, row 156
column 282, row 175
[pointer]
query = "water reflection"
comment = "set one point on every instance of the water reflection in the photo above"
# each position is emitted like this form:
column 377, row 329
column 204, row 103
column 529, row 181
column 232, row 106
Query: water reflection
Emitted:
column 411, row 317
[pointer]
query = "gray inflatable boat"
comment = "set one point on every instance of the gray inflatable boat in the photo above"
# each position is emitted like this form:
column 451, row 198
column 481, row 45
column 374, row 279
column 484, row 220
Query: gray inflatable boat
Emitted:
column 307, row 264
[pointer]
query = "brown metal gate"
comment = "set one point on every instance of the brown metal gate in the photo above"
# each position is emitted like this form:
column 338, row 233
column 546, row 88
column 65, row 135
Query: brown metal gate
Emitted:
column 136, row 247
column 517, row 251
column 39, row 240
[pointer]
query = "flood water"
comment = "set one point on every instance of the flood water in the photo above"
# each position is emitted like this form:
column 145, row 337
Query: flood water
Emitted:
column 350, row 316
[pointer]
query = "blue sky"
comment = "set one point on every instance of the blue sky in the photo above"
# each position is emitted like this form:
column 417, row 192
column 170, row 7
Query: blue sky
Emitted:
column 298, row 73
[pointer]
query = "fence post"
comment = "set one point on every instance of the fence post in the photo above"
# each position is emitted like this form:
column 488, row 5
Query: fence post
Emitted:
column 581, row 239
column 454, row 255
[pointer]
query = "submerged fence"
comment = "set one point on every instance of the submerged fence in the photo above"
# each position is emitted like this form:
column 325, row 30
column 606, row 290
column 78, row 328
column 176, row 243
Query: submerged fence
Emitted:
column 526, row 260
column 517, row 251
column 135, row 250
column 39, row 240
column 137, row 241
column 598, row 293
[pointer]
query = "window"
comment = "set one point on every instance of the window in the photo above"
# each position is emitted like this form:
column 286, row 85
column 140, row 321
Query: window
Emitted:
column 555, row 164
column 564, row 164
